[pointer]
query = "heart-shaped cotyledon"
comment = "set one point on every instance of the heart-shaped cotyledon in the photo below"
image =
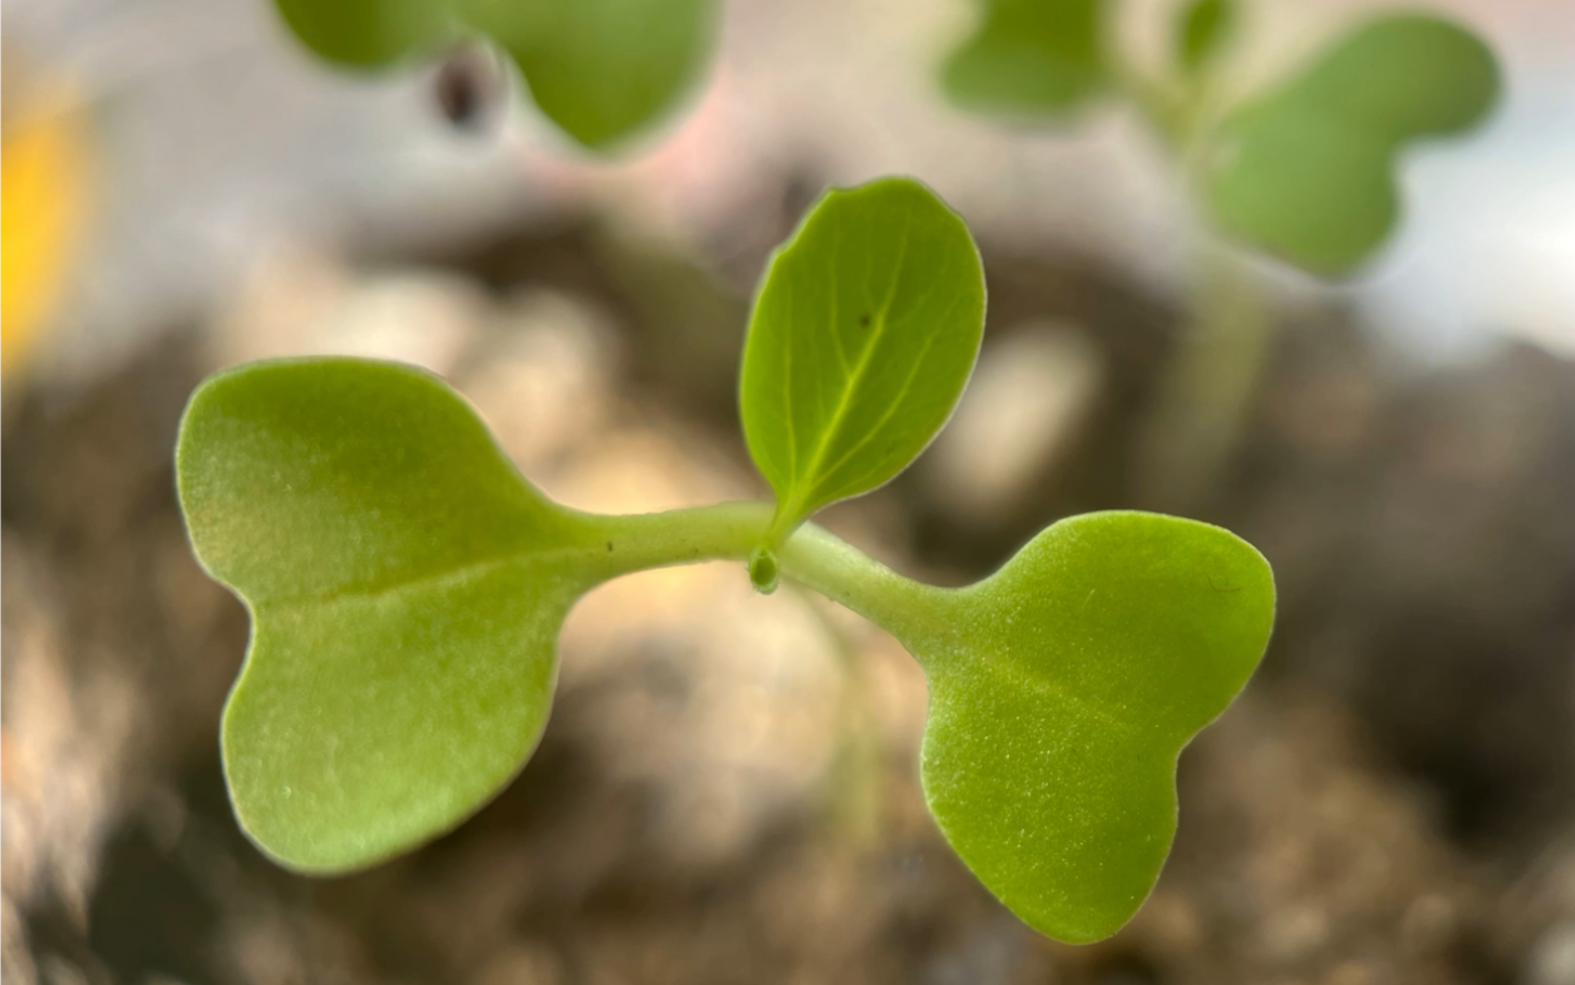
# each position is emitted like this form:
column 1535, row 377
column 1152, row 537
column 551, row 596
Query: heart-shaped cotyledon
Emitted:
column 1308, row 171
column 407, row 587
column 1062, row 690
column 601, row 70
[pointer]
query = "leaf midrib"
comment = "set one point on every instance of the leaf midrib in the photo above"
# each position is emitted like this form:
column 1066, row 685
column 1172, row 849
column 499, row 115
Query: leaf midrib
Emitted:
column 792, row 507
column 896, row 401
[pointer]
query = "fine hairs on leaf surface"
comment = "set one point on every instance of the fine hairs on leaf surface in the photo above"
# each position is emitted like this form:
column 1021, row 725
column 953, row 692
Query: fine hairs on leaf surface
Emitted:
column 601, row 70
column 407, row 585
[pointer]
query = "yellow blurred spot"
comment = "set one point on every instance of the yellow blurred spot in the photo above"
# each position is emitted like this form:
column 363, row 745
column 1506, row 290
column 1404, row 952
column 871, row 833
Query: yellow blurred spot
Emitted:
column 43, row 192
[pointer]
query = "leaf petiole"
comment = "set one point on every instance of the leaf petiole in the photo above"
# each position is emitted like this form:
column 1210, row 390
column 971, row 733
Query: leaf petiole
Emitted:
column 811, row 556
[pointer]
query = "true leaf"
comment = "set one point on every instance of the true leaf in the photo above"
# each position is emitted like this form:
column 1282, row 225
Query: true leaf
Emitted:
column 862, row 338
column 1030, row 57
column 406, row 587
column 1308, row 171
column 599, row 69
column 1062, row 690
column 1202, row 31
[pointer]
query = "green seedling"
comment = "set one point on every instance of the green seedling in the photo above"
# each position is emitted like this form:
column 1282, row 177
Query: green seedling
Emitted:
column 407, row 585
column 1307, row 171
column 600, row 69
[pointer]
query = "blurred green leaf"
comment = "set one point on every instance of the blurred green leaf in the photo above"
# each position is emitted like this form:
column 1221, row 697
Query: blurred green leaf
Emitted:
column 1063, row 688
column 1308, row 172
column 406, row 588
column 370, row 33
column 1202, row 31
column 600, row 69
column 1030, row 58
column 862, row 338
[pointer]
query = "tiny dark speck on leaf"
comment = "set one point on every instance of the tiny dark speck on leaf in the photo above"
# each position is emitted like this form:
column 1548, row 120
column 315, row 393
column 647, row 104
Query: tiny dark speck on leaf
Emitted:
column 609, row 545
column 864, row 320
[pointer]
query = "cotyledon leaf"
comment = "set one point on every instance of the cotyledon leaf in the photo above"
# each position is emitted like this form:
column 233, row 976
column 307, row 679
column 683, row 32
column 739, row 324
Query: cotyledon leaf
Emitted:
column 600, row 69
column 1308, row 171
column 863, row 335
column 1030, row 58
column 406, row 588
column 1062, row 690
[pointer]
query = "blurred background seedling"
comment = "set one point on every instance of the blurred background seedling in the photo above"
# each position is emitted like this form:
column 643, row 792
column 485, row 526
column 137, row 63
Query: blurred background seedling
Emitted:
column 602, row 71
column 1304, row 170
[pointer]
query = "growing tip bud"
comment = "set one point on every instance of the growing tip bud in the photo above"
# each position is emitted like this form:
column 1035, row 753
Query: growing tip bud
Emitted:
column 763, row 570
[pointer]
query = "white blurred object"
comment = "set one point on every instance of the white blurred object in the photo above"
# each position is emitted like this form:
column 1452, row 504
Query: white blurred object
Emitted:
column 546, row 383
column 1488, row 243
column 1023, row 406
column 305, row 301
column 1553, row 958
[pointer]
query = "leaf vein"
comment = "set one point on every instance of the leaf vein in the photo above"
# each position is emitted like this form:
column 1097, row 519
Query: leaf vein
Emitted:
column 861, row 367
